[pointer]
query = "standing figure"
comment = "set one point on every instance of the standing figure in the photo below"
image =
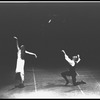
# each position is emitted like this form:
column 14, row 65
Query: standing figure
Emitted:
column 21, row 63
column 71, row 70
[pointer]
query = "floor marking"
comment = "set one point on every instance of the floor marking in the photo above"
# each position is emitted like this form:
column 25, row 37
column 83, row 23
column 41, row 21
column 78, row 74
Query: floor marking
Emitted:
column 77, row 74
column 96, row 81
column 80, row 87
column 81, row 90
column 34, row 81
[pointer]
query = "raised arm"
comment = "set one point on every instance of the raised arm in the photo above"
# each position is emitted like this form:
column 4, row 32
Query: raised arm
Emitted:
column 78, row 59
column 66, row 57
column 30, row 53
column 17, row 42
column 63, row 52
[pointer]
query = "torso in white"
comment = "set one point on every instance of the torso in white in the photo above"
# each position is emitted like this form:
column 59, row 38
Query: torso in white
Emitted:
column 20, row 63
column 71, row 62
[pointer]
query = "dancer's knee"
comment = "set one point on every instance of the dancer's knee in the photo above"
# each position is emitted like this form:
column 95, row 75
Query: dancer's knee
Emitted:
column 62, row 74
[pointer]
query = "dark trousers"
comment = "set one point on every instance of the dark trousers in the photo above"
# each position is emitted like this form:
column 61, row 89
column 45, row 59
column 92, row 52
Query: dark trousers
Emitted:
column 69, row 73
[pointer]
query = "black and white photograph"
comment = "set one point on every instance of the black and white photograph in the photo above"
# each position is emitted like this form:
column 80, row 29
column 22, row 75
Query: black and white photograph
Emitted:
column 49, row 49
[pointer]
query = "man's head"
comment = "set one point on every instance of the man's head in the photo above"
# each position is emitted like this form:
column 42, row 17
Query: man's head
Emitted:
column 22, row 51
column 22, row 47
column 75, row 58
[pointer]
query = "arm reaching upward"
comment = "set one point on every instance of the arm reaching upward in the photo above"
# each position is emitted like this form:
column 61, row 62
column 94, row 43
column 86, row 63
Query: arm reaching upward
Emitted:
column 66, row 57
column 17, row 42
column 31, row 53
column 63, row 51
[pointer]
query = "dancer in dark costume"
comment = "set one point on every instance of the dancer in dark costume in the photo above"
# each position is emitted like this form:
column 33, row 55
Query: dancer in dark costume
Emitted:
column 71, row 70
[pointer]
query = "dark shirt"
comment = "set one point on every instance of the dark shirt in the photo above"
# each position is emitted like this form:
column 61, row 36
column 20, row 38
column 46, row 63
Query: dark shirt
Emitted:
column 72, row 70
column 23, row 55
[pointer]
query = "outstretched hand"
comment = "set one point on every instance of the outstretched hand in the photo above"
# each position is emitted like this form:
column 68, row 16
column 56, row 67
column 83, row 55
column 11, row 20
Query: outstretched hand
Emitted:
column 78, row 56
column 35, row 56
column 62, row 51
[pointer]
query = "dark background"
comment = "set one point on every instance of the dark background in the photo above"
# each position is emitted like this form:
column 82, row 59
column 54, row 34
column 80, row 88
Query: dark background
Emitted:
column 75, row 27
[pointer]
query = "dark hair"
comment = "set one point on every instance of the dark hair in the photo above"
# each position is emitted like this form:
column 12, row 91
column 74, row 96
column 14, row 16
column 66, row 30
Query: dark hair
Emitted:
column 22, row 51
column 75, row 58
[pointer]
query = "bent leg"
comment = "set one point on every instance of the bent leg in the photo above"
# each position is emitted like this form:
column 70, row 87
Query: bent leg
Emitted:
column 74, row 78
column 64, row 74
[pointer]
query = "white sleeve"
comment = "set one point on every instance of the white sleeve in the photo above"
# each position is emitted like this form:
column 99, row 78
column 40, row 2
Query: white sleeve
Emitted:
column 68, row 59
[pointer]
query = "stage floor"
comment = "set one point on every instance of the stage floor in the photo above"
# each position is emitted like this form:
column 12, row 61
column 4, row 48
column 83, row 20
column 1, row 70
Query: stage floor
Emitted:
column 41, row 83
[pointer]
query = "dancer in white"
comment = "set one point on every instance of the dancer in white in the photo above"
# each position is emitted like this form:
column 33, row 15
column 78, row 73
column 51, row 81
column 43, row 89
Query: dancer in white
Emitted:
column 21, row 62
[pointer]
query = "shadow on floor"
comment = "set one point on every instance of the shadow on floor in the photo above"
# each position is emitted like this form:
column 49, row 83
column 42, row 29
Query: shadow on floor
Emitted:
column 81, row 82
column 51, row 85
column 15, row 87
